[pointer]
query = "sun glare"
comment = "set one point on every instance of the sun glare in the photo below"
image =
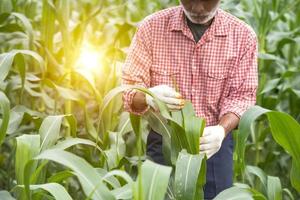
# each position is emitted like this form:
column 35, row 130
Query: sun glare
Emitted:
column 89, row 59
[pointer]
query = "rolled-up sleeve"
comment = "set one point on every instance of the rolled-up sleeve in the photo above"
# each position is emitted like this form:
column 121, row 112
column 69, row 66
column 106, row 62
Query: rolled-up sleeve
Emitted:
column 243, row 81
column 136, row 69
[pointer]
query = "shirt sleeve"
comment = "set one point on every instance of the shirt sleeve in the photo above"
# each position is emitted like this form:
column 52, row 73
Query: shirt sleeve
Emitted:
column 243, row 81
column 136, row 69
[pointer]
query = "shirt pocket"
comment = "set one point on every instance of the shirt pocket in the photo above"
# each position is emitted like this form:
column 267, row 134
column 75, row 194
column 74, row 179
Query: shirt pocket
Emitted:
column 215, row 83
column 164, row 76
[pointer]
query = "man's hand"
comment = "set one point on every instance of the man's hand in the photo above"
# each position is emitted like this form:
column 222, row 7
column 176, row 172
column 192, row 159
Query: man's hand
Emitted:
column 211, row 140
column 166, row 94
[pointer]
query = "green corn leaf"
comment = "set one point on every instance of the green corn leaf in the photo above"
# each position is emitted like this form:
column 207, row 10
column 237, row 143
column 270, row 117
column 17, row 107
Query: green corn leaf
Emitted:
column 190, row 176
column 120, row 192
column 270, row 85
column 124, row 192
column 117, row 149
column 88, row 177
column 6, row 7
column 69, row 141
column 24, row 109
column 14, row 121
column 48, row 31
column 116, row 91
column 89, row 126
column 27, row 25
column 72, row 124
column 285, row 131
column 19, row 115
column 120, row 174
column 164, row 129
column 235, row 193
column 178, row 117
column 6, row 61
column 89, row 78
column 194, row 127
column 21, row 65
column 60, row 176
column 63, row 92
column 109, row 179
column 179, row 141
column 5, row 109
column 27, row 148
column 186, row 131
column 274, row 188
column 31, row 164
column 136, row 124
column 256, row 171
column 188, row 110
column 67, row 93
column 154, row 179
column 55, row 189
column 49, row 131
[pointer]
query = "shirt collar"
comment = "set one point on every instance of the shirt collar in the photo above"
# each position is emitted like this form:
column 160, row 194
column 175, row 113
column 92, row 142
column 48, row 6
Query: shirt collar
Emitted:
column 217, row 28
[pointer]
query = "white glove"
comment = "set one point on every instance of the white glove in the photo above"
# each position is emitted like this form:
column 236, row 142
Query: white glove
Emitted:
column 211, row 140
column 166, row 94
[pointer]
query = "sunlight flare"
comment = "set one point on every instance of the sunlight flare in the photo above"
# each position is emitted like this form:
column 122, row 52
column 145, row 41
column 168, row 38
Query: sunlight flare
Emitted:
column 89, row 59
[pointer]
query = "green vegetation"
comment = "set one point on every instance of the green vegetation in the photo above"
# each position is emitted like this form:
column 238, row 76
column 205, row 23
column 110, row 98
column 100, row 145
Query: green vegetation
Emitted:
column 63, row 132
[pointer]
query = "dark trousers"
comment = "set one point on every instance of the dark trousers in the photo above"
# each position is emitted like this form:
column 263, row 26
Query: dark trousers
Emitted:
column 219, row 174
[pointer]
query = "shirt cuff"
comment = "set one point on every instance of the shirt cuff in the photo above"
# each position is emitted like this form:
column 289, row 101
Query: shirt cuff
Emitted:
column 236, row 107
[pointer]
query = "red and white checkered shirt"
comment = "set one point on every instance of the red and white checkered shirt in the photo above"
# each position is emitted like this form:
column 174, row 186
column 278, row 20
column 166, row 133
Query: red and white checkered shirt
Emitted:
column 218, row 74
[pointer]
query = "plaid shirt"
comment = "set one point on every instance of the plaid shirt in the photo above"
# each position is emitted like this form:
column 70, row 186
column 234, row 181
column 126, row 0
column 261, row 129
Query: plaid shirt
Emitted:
column 218, row 74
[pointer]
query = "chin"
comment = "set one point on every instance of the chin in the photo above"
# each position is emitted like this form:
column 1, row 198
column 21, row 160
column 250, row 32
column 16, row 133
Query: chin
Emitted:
column 201, row 20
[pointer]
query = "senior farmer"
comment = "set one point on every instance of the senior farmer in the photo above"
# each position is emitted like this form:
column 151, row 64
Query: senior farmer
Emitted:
column 212, row 56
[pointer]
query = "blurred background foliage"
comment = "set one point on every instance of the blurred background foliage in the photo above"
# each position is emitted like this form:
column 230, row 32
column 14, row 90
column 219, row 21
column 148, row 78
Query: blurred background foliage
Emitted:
column 62, row 57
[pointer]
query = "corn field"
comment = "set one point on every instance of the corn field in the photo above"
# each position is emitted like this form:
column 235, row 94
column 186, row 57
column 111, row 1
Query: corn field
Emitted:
column 64, row 133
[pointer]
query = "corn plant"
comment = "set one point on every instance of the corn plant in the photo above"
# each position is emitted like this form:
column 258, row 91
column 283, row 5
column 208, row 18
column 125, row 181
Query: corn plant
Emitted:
column 275, row 23
column 180, row 131
column 63, row 133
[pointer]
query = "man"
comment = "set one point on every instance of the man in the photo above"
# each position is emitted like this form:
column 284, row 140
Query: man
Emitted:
column 212, row 56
